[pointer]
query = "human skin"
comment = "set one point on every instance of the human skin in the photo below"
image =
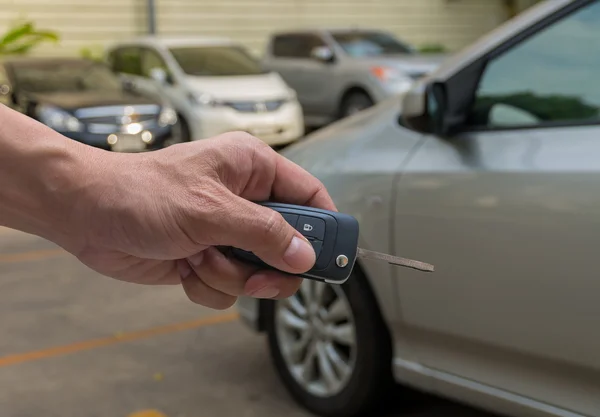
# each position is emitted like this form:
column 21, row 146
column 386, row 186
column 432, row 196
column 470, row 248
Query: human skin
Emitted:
column 159, row 218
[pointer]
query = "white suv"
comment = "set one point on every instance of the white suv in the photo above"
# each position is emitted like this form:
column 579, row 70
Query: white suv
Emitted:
column 215, row 85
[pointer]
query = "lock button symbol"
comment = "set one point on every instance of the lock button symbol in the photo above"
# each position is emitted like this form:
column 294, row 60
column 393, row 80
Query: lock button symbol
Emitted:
column 311, row 227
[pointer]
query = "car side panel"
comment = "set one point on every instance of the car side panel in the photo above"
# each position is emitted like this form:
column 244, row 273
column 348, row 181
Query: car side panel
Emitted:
column 511, row 222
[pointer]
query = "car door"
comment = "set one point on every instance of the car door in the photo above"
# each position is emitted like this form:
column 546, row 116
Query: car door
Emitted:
column 167, row 90
column 509, row 213
column 281, row 58
column 126, row 61
column 313, row 80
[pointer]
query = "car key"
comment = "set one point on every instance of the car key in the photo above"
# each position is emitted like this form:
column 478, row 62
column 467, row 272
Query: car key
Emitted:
column 334, row 237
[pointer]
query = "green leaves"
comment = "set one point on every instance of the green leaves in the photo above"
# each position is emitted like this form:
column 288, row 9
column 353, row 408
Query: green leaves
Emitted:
column 20, row 39
column 92, row 53
column 432, row 48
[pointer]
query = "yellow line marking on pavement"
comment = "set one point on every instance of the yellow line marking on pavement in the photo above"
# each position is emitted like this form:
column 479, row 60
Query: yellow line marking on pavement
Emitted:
column 9, row 258
column 147, row 413
column 107, row 341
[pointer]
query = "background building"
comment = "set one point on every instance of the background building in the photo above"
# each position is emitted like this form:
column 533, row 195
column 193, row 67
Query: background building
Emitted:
column 91, row 24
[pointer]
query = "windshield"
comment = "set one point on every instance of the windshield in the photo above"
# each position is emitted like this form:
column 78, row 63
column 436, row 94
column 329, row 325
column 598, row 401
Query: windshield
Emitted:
column 216, row 61
column 360, row 44
column 71, row 76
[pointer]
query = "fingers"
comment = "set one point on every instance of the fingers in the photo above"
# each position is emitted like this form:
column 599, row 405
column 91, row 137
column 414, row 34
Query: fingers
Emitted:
column 220, row 273
column 294, row 185
column 271, row 284
column 199, row 292
column 275, row 177
column 265, row 232
column 213, row 280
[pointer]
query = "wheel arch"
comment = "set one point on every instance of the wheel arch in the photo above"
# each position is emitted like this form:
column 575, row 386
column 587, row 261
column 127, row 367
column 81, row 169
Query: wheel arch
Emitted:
column 368, row 292
column 185, row 126
column 352, row 89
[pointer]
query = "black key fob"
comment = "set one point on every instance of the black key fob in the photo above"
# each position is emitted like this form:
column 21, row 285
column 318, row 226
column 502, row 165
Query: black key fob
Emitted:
column 333, row 235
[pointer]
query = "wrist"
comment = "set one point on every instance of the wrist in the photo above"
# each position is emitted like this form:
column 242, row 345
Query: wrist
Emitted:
column 45, row 179
column 67, row 184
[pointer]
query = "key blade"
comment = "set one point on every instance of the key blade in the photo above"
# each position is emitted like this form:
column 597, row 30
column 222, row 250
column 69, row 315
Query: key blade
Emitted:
column 394, row 260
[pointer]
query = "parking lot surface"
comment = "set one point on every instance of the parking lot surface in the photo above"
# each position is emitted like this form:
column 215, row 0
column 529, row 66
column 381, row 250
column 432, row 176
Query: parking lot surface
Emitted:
column 76, row 344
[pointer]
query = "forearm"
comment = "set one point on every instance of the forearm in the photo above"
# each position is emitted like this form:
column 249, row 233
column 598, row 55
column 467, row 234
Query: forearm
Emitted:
column 42, row 177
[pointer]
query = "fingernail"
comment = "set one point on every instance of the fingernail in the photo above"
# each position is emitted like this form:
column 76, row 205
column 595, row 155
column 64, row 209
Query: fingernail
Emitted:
column 196, row 259
column 184, row 269
column 299, row 254
column 265, row 292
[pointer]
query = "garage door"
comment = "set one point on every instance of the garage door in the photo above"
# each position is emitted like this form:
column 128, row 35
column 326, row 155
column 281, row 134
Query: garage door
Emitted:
column 85, row 23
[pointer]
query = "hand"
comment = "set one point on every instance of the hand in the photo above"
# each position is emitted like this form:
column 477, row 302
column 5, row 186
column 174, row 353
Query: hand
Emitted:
column 158, row 218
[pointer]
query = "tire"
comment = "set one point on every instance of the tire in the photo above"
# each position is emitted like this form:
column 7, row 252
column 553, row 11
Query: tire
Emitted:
column 370, row 360
column 180, row 134
column 186, row 136
column 355, row 102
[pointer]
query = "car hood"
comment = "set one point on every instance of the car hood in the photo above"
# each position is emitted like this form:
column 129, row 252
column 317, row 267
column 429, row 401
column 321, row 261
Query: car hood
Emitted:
column 410, row 64
column 248, row 87
column 77, row 100
column 369, row 140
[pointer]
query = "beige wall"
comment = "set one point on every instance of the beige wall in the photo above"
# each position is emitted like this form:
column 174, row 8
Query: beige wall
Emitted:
column 85, row 23
column 81, row 23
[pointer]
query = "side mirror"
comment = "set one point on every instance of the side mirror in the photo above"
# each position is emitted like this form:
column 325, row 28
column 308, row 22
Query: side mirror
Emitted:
column 322, row 53
column 428, row 108
column 417, row 108
column 159, row 75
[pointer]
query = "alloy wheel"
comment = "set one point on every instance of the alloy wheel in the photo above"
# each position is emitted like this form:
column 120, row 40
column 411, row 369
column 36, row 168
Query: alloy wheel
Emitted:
column 315, row 329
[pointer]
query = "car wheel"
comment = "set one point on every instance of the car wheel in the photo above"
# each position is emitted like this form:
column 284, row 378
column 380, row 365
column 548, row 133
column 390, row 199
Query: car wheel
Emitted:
column 355, row 102
column 184, row 128
column 180, row 133
column 330, row 347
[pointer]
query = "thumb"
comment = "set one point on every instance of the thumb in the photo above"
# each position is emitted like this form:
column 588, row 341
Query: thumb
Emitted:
column 265, row 232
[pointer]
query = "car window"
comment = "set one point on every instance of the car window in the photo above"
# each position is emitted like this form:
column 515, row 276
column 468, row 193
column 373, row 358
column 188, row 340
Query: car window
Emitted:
column 552, row 77
column 296, row 45
column 127, row 61
column 359, row 43
column 152, row 59
column 216, row 61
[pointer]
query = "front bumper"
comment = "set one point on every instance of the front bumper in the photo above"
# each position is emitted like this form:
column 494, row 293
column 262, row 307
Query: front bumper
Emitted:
column 100, row 140
column 278, row 127
column 382, row 91
column 249, row 311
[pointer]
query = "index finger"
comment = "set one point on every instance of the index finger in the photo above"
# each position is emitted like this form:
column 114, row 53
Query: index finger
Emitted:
column 294, row 185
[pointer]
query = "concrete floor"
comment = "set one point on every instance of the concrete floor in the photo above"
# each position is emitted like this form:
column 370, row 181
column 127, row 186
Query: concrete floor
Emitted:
column 75, row 344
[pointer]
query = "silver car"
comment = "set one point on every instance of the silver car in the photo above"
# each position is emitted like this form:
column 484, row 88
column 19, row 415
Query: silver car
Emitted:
column 337, row 72
column 489, row 169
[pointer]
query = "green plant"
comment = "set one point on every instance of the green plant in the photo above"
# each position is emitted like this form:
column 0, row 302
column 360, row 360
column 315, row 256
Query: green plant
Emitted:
column 92, row 53
column 22, row 38
column 432, row 48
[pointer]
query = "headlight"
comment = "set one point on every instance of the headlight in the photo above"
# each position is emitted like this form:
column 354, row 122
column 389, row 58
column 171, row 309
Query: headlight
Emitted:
column 58, row 119
column 203, row 99
column 387, row 74
column 167, row 117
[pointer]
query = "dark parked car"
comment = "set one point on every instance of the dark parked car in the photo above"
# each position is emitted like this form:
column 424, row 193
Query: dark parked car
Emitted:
column 85, row 101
